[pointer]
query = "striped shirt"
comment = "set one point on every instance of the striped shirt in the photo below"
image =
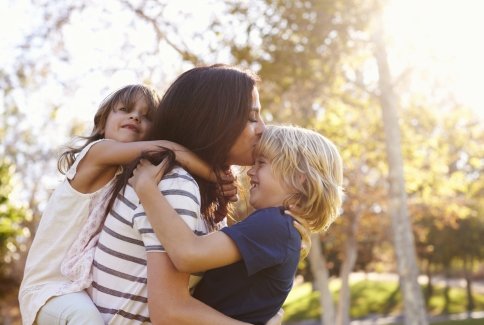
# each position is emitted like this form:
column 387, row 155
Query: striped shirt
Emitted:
column 119, row 287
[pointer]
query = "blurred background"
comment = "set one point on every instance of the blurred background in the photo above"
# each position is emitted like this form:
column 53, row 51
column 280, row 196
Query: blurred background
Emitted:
column 396, row 84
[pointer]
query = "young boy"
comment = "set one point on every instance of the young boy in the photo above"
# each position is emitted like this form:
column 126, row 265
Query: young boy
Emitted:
column 250, row 266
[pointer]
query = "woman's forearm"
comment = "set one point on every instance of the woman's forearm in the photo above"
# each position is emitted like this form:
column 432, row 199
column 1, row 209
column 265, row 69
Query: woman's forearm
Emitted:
column 170, row 301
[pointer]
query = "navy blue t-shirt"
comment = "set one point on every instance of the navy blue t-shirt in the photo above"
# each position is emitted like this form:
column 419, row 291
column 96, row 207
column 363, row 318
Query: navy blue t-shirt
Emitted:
column 254, row 289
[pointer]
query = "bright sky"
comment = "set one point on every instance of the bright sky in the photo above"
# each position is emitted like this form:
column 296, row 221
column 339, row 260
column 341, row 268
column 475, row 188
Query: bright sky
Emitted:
column 444, row 36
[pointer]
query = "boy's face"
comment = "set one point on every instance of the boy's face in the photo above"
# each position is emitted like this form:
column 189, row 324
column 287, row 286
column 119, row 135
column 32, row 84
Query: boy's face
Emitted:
column 266, row 191
column 127, row 125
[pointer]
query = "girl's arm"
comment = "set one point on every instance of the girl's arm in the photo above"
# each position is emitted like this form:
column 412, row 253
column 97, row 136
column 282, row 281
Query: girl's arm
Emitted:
column 114, row 153
column 188, row 252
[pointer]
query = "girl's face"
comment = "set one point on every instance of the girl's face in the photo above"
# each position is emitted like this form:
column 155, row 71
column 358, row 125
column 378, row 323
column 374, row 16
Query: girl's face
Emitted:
column 128, row 125
column 241, row 152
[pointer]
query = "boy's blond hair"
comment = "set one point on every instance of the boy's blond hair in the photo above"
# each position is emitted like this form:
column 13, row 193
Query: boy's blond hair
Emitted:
column 310, row 164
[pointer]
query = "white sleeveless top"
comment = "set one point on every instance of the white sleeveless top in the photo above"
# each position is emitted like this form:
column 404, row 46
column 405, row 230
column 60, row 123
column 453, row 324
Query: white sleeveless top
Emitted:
column 64, row 216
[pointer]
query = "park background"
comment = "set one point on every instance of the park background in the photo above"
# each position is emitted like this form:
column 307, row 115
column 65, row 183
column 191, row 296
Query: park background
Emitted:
column 397, row 85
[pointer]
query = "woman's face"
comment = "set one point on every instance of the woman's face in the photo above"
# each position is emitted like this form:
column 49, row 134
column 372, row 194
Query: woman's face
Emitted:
column 241, row 152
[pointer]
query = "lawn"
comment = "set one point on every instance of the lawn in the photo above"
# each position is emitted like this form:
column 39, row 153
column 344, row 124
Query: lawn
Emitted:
column 462, row 322
column 370, row 298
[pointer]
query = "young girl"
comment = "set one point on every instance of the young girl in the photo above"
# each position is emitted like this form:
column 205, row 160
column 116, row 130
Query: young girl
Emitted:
column 250, row 266
column 46, row 295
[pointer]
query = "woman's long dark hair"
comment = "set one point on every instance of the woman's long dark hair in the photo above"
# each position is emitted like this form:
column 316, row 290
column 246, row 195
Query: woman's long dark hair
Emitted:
column 205, row 110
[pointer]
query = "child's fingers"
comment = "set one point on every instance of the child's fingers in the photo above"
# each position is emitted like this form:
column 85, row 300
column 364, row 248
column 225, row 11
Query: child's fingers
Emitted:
column 146, row 169
column 160, row 169
column 225, row 176
column 225, row 179
column 295, row 210
column 229, row 191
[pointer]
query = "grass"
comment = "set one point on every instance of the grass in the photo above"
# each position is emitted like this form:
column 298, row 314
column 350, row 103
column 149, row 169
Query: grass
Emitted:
column 462, row 322
column 370, row 297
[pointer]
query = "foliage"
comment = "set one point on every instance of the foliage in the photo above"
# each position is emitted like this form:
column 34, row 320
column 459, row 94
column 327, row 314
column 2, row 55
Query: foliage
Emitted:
column 368, row 298
column 11, row 219
column 297, row 47
column 461, row 322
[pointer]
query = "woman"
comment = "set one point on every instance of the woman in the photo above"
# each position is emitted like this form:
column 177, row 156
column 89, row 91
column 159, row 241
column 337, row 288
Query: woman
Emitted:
column 215, row 112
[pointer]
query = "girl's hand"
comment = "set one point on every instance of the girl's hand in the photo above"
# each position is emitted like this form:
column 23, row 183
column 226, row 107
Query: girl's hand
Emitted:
column 277, row 318
column 302, row 228
column 227, row 185
column 147, row 174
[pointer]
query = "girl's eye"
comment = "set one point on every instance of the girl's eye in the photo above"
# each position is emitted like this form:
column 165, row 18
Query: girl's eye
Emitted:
column 122, row 109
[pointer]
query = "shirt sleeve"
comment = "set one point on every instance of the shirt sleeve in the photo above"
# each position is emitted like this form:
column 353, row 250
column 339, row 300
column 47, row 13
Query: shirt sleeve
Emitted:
column 262, row 239
column 182, row 192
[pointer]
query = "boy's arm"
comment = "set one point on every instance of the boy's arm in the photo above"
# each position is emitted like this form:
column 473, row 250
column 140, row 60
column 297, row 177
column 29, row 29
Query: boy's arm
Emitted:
column 188, row 252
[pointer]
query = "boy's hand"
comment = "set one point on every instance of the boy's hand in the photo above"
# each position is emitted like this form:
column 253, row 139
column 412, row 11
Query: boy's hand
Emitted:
column 226, row 185
column 302, row 228
column 147, row 174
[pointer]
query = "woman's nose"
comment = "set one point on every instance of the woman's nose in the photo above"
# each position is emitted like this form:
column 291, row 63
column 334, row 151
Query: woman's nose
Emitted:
column 261, row 126
column 250, row 172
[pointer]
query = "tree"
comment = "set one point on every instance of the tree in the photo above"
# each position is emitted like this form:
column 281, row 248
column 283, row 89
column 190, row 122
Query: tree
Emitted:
column 402, row 231
column 11, row 219
column 304, row 51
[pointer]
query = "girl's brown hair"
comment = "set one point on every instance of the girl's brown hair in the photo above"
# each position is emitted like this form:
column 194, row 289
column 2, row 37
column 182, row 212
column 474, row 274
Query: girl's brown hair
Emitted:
column 127, row 96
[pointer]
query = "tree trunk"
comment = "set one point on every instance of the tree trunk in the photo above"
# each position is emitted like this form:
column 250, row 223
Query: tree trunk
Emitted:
column 467, row 274
column 321, row 279
column 343, row 315
column 404, row 243
column 429, row 291
column 446, row 290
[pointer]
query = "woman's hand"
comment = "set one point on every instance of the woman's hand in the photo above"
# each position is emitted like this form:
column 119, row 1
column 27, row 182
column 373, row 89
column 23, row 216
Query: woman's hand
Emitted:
column 302, row 228
column 277, row 318
column 146, row 173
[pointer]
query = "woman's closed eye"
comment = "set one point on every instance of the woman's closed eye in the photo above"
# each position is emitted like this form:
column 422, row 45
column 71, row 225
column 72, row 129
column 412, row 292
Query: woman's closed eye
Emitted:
column 254, row 116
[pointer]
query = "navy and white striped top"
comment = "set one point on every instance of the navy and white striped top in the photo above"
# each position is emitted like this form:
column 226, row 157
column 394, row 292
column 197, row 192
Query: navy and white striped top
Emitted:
column 119, row 287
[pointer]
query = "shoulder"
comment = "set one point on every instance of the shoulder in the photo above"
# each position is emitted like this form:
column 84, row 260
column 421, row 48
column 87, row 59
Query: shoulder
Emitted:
column 263, row 220
column 80, row 156
column 178, row 182
column 179, row 177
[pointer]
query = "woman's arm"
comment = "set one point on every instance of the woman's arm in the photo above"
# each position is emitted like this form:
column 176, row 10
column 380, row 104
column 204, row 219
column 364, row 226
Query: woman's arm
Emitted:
column 169, row 300
column 188, row 252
